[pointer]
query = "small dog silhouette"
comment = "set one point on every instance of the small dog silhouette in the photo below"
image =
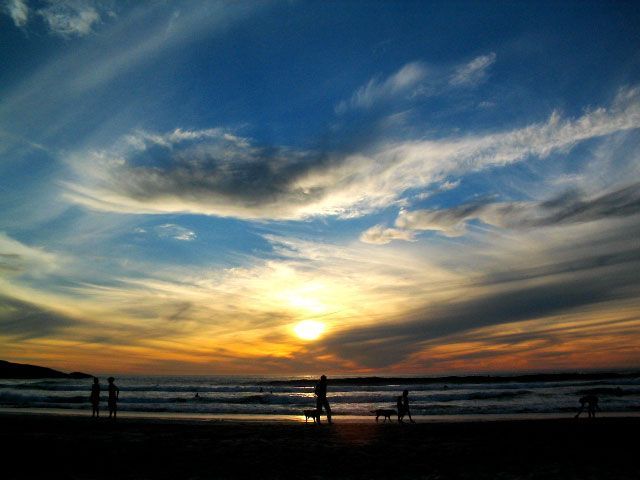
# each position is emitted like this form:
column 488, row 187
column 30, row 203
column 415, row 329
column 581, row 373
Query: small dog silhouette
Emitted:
column 384, row 412
column 313, row 414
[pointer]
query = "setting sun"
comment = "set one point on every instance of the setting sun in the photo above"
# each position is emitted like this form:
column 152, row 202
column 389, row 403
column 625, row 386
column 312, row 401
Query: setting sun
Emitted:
column 309, row 329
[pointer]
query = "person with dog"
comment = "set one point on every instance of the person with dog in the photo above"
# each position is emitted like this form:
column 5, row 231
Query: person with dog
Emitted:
column 591, row 401
column 403, row 407
column 321, row 398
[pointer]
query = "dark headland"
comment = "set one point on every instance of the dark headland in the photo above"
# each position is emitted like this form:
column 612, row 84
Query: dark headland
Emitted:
column 21, row 370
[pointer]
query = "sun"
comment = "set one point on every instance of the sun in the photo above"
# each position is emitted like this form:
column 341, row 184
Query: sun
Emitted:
column 309, row 329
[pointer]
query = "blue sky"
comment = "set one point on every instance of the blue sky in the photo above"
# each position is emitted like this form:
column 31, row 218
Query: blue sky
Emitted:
column 182, row 183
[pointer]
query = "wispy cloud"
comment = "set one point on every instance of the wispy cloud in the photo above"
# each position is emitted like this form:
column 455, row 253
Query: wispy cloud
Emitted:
column 70, row 17
column 473, row 72
column 417, row 80
column 176, row 232
column 18, row 10
column 379, row 235
column 66, row 18
column 403, row 82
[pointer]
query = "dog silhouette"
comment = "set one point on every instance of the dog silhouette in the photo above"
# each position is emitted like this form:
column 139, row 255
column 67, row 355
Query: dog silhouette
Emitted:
column 384, row 412
column 313, row 414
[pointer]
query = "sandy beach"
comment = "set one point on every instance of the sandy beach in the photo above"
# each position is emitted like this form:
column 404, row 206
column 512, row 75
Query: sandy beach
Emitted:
column 52, row 446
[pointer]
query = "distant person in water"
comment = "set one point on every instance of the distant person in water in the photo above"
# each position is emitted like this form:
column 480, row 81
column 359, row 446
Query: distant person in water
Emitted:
column 114, row 394
column 591, row 402
column 321, row 398
column 95, row 397
column 403, row 407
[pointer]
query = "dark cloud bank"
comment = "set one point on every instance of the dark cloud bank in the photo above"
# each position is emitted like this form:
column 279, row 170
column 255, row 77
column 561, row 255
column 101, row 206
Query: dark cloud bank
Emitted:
column 570, row 207
column 23, row 320
column 576, row 276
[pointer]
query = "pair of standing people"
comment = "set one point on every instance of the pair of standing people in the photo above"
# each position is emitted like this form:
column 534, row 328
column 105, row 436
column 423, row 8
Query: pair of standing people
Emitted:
column 112, row 402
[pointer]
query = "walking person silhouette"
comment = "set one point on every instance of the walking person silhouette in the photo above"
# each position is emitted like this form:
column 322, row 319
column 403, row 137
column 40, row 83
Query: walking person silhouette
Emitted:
column 114, row 394
column 403, row 407
column 95, row 398
column 321, row 398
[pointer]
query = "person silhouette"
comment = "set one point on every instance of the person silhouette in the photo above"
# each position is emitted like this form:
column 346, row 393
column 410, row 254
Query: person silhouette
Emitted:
column 95, row 398
column 591, row 401
column 114, row 394
column 321, row 398
column 403, row 407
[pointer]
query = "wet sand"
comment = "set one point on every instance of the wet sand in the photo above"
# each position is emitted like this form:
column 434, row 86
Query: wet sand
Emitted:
column 48, row 446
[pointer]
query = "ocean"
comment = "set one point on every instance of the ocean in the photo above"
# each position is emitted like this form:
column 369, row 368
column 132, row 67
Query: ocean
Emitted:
column 288, row 396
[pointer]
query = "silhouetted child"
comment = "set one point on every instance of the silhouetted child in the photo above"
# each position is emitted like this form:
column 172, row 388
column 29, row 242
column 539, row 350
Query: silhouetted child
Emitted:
column 95, row 397
column 591, row 401
column 114, row 393
column 403, row 407
column 321, row 398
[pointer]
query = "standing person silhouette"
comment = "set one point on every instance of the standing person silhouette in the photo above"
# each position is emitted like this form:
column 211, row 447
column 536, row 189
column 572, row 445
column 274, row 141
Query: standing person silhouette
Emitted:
column 321, row 398
column 403, row 407
column 114, row 394
column 95, row 398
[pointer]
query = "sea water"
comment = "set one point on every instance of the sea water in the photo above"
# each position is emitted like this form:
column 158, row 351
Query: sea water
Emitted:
column 282, row 396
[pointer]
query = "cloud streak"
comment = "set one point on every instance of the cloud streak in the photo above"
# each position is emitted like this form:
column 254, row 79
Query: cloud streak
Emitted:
column 570, row 207
column 215, row 172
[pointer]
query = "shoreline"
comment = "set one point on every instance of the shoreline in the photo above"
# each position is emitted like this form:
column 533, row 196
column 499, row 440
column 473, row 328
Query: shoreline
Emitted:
column 276, row 418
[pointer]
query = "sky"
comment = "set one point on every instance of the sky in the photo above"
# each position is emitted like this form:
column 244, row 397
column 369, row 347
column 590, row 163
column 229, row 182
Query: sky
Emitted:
column 303, row 187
